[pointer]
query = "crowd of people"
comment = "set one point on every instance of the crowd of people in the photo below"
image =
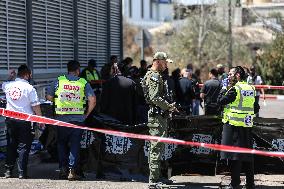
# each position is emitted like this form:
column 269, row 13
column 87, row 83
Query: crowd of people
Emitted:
column 133, row 95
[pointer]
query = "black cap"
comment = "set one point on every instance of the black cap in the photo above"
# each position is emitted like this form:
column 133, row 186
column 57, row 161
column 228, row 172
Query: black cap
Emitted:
column 92, row 62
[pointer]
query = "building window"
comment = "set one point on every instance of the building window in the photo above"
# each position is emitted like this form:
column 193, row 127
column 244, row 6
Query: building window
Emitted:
column 130, row 8
column 142, row 8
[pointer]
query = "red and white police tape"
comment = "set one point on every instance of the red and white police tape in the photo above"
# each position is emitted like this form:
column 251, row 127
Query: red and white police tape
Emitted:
column 263, row 87
column 200, row 85
column 41, row 119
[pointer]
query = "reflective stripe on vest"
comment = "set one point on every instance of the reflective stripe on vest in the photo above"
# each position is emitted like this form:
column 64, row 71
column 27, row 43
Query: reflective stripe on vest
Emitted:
column 241, row 111
column 70, row 96
column 92, row 75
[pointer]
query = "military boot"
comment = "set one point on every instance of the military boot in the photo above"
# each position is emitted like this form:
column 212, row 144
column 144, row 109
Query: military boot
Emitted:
column 249, row 187
column 158, row 185
column 165, row 181
column 231, row 187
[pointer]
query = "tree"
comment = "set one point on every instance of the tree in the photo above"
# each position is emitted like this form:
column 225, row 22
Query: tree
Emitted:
column 205, row 42
column 271, row 62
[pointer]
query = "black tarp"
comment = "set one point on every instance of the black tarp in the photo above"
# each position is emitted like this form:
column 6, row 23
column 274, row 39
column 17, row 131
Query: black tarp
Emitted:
column 128, row 157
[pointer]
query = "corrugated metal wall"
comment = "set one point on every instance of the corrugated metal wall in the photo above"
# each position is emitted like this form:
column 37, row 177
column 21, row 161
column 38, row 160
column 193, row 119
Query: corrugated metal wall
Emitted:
column 52, row 34
column 12, row 34
column 55, row 37
column 92, row 31
column 115, row 28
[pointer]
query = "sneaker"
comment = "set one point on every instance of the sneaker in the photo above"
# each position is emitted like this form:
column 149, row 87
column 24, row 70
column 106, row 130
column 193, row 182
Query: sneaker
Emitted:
column 8, row 173
column 22, row 176
column 72, row 175
column 63, row 173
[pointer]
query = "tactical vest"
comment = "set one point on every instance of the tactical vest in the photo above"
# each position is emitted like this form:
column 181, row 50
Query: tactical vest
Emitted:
column 241, row 111
column 92, row 75
column 145, row 87
column 70, row 96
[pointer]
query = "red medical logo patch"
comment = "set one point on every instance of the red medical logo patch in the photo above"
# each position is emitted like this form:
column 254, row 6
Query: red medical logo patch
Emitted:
column 15, row 93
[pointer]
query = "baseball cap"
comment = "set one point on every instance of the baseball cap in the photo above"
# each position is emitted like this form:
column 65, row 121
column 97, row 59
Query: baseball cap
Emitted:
column 170, row 61
column 220, row 66
column 160, row 56
column 92, row 62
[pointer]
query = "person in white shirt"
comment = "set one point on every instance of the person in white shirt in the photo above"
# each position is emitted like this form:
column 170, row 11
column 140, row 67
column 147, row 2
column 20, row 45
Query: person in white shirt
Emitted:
column 21, row 97
column 255, row 79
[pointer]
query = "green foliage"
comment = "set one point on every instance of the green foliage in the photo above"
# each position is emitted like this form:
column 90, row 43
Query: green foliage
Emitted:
column 277, row 16
column 183, row 45
column 271, row 62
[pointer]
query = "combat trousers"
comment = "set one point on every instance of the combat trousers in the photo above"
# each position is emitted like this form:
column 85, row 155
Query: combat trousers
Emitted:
column 157, row 127
column 19, row 140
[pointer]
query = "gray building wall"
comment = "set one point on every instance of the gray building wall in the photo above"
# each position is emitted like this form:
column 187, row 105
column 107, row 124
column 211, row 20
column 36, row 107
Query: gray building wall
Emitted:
column 47, row 34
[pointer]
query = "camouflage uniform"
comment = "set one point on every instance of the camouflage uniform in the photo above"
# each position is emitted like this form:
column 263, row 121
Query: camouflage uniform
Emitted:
column 154, row 88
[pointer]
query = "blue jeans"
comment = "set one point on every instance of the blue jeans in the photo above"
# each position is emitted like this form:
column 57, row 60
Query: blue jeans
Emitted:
column 195, row 107
column 68, row 144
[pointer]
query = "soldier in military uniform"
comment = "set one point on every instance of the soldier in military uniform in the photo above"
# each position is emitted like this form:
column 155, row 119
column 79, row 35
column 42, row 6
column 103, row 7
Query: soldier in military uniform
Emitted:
column 154, row 88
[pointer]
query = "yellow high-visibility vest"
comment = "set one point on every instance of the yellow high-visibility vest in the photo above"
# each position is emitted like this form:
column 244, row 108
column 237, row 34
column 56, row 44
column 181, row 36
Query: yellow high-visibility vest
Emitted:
column 240, row 113
column 70, row 96
column 90, row 76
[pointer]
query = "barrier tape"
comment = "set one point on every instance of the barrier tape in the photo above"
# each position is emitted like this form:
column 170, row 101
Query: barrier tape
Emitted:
column 200, row 85
column 225, row 148
column 262, row 87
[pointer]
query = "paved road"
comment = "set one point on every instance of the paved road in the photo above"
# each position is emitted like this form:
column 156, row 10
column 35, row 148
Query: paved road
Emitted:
column 44, row 175
column 273, row 109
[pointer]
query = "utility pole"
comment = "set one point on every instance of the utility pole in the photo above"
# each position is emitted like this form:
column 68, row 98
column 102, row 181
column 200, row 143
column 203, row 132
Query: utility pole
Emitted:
column 230, row 48
column 201, row 33
column 142, row 44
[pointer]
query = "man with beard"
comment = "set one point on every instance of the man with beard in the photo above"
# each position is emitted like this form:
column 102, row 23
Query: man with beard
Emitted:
column 238, row 99
column 21, row 97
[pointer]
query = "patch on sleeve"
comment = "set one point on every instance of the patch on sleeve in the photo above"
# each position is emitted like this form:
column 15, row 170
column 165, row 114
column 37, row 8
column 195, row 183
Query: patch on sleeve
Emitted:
column 247, row 93
column 155, row 77
column 248, row 120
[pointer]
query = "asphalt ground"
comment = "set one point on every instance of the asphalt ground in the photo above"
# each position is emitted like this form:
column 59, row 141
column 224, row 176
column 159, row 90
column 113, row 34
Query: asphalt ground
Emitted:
column 272, row 109
column 45, row 175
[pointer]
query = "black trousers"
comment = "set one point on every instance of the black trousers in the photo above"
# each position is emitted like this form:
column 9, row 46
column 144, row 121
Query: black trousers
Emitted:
column 236, row 167
column 256, row 106
column 19, row 139
column 212, row 109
